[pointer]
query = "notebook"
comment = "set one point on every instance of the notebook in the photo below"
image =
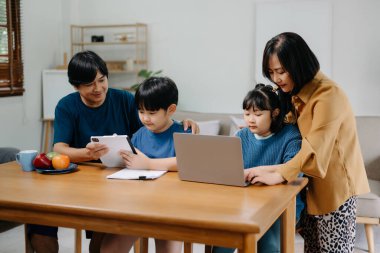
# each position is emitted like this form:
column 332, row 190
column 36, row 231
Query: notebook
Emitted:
column 210, row 159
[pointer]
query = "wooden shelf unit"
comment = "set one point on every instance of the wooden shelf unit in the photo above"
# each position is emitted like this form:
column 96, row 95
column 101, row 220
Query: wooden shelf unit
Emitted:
column 125, row 43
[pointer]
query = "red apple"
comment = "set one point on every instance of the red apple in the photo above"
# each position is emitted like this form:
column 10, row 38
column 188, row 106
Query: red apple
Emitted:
column 42, row 161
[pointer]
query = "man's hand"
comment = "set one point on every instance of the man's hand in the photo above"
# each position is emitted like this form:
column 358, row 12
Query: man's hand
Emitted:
column 191, row 123
column 135, row 161
column 255, row 175
column 96, row 150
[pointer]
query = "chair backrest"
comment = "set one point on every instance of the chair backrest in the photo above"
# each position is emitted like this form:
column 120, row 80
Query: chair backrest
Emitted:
column 224, row 118
column 369, row 137
column 8, row 154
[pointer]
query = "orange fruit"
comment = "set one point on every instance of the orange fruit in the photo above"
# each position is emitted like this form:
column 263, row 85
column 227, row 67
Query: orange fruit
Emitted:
column 61, row 162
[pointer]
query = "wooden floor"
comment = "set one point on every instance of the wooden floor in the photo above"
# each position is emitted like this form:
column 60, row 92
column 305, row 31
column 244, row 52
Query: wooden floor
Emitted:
column 11, row 241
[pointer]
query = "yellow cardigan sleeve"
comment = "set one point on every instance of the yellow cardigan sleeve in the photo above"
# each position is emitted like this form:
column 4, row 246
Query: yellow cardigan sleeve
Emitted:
column 322, row 115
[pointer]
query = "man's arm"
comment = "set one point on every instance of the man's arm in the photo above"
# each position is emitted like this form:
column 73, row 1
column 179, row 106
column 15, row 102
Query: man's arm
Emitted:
column 92, row 151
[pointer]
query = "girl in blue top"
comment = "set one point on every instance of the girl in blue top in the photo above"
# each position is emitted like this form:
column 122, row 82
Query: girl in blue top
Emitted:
column 267, row 140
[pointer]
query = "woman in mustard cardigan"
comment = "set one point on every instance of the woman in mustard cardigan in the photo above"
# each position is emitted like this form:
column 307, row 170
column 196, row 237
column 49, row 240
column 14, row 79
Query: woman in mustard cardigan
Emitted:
column 330, row 154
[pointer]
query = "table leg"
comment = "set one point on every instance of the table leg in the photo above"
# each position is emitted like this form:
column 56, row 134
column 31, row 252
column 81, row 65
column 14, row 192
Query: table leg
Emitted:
column 249, row 244
column 288, row 227
column 208, row 248
column 28, row 245
column 143, row 247
column 78, row 240
column 187, row 247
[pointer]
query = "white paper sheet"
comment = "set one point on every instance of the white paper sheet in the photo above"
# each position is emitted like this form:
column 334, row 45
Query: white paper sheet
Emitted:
column 137, row 174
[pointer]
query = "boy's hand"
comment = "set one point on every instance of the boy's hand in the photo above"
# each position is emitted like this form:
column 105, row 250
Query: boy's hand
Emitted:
column 191, row 123
column 96, row 150
column 132, row 161
column 255, row 175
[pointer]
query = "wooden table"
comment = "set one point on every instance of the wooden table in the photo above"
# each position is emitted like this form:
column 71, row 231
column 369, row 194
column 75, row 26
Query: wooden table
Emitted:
column 165, row 208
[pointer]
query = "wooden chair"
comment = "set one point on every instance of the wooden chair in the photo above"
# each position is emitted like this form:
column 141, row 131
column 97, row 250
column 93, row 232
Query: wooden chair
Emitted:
column 141, row 246
column 368, row 225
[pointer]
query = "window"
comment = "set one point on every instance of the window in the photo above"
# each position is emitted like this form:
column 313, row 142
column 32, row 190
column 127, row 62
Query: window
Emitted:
column 11, row 67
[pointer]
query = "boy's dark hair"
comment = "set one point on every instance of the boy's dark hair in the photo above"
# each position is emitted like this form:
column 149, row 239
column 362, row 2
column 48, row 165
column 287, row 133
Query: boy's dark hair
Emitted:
column 264, row 97
column 83, row 68
column 295, row 57
column 156, row 93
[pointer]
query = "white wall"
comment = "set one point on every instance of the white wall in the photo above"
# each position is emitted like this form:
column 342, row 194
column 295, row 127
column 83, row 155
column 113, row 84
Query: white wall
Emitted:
column 21, row 116
column 206, row 46
column 316, row 31
column 356, row 53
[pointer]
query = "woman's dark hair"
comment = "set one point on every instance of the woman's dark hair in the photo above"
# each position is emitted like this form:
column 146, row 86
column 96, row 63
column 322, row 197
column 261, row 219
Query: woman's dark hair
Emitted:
column 264, row 97
column 83, row 68
column 156, row 93
column 295, row 57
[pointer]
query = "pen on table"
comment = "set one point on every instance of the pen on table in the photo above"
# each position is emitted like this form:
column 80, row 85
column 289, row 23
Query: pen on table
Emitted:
column 144, row 178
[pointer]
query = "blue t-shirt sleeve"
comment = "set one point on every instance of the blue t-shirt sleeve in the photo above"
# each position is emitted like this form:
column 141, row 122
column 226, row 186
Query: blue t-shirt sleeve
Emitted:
column 136, row 136
column 63, row 124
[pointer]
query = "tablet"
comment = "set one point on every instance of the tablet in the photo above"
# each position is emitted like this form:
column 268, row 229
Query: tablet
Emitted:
column 114, row 143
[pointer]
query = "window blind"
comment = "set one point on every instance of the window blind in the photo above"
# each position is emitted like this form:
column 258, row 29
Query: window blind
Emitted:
column 11, row 65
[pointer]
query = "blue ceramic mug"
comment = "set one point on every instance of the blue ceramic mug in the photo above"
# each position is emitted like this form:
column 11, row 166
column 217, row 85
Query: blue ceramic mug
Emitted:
column 25, row 159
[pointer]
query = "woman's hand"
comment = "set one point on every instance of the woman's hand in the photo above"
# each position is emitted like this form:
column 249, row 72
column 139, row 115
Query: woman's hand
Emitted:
column 191, row 123
column 265, row 176
column 135, row 161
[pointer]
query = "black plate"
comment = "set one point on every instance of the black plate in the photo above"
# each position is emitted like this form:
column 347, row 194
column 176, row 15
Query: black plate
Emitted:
column 72, row 167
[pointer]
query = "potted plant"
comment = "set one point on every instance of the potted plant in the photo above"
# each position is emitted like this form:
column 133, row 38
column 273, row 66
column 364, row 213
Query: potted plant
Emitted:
column 145, row 74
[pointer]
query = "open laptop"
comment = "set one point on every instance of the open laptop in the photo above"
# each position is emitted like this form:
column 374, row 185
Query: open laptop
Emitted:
column 210, row 159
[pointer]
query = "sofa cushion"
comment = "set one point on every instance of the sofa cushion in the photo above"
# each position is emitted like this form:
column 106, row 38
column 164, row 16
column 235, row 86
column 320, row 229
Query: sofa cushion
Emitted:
column 8, row 154
column 236, row 124
column 374, row 185
column 369, row 204
column 369, row 138
column 224, row 118
column 210, row 127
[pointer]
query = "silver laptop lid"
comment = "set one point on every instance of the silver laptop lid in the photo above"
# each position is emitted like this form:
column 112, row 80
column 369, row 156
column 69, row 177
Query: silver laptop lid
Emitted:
column 209, row 159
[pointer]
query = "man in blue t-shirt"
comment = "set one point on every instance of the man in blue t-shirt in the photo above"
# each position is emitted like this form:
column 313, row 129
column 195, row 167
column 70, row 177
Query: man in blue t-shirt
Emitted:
column 156, row 99
column 93, row 110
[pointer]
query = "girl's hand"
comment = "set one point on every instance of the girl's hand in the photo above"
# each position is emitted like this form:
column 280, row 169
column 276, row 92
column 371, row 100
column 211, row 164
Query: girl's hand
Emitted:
column 257, row 175
column 132, row 161
column 190, row 123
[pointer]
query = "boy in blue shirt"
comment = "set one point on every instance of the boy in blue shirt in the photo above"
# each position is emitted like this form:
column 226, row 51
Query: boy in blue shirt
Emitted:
column 156, row 100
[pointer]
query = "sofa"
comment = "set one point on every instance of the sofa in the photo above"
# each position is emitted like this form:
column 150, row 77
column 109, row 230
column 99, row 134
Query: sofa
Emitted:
column 212, row 123
column 368, row 211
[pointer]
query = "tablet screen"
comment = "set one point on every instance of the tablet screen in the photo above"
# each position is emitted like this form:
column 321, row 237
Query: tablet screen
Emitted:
column 115, row 143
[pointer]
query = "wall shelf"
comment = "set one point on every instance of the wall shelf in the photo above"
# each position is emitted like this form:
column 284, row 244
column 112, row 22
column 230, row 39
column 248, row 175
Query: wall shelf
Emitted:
column 123, row 44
